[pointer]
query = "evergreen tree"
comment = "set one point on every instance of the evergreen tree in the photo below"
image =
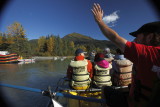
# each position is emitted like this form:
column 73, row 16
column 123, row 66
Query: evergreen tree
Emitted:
column 56, row 46
column 60, row 48
column 17, row 39
column 90, row 48
column 34, row 47
column 4, row 45
column 65, row 48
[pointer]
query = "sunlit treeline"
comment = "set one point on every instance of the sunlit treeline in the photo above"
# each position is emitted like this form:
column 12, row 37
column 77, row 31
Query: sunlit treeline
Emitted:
column 15, row 40
column 54, row 46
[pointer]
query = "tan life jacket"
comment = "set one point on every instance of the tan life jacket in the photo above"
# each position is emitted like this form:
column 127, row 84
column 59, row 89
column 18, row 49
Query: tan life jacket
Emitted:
column 102, row 76
column 80, row 75
column 122, row 77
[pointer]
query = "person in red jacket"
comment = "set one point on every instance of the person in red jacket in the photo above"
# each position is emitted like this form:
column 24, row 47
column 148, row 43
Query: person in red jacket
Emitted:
column 144, row 52
column 80, row 71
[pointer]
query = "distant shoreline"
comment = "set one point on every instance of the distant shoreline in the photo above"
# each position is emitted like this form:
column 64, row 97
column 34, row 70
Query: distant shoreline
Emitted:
column 50, row 57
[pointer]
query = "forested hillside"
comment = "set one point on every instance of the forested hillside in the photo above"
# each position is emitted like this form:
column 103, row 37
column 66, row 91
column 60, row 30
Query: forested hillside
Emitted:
column 80, row 39
column 15, row 41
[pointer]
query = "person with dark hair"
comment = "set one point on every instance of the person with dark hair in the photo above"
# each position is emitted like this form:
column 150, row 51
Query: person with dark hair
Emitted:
column 101, row 71
column 122, row 69
column 91, row 56
column 144, row 52
column 119, row 55
column 80, row 71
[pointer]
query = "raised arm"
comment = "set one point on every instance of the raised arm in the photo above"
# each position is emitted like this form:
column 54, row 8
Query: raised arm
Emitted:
column 108, row 32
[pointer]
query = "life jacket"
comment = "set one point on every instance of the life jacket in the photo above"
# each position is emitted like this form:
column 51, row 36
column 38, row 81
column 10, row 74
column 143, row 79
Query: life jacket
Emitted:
column 102, row 76
column 122, row 77
column 80, row 76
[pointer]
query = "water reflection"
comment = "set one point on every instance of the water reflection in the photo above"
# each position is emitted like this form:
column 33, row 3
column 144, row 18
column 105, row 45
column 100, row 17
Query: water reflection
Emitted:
column 25, row 62
column 8, row 67
column 39, row 75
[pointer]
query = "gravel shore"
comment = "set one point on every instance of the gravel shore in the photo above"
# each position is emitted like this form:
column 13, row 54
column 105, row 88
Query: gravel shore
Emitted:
column 50, row 57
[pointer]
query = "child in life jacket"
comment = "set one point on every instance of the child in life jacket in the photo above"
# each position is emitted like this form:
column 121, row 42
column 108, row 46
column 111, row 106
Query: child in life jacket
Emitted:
column 101, row 72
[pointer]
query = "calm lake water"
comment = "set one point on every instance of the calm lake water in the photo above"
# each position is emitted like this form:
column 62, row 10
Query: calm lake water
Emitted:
column 40, row 75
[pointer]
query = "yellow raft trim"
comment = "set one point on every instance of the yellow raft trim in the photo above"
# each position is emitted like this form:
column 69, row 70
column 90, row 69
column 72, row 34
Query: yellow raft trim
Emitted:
column 80, row 87
column 94, row 94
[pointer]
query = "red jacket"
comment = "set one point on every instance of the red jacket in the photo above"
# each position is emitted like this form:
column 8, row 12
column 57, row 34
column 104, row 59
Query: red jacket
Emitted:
column 144, row 58
column 78, row 58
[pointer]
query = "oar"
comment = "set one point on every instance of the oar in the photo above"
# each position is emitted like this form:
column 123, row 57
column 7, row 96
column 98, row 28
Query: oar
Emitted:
column 89, row 99
column 22, row 88
column 55, row 103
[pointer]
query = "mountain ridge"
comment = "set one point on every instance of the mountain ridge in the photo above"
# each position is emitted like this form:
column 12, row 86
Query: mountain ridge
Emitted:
column 80, row 39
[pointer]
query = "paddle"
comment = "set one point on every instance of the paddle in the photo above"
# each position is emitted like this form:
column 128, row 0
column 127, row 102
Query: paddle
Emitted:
column 46, row 93
column 54, row 102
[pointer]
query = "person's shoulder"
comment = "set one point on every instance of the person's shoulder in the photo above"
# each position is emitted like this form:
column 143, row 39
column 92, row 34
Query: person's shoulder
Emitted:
column 132, row 46
column 89, row 62
column 151, row 48
column 154, row 49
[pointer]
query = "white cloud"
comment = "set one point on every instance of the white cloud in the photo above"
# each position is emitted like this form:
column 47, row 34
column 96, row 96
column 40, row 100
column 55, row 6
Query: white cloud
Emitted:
column 111, row 19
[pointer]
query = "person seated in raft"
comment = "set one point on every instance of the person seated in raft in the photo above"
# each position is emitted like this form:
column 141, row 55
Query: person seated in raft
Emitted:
column 122, row 70
column 80, row 71
column 101, row 72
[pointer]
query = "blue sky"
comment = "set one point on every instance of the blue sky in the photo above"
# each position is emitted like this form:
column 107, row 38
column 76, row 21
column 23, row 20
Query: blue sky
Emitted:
column 62, row 17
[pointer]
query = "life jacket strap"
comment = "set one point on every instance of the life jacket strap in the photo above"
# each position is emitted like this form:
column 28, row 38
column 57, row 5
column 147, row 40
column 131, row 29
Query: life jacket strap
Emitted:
column 102, row 75
column 79, row 74
column 103, row 81
column 123, row 72
column 80, row 81
column 125, row 79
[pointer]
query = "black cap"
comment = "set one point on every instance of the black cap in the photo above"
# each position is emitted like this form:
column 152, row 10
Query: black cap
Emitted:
column 78, row 51
column 153, row 27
